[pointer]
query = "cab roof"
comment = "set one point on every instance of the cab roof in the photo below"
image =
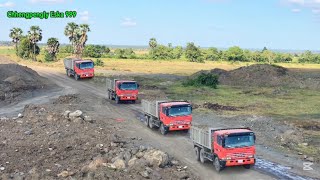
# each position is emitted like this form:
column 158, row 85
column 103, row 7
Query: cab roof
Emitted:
column 173, row 103
column 231, row 131
column 81, row 60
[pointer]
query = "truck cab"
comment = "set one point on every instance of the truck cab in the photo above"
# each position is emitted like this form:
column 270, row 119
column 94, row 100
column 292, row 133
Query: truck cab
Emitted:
column 84, row 68
column 126, row 90
column 175, row 115
column 234, row 147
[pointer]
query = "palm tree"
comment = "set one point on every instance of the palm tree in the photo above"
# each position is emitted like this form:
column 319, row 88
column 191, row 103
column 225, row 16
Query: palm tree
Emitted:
column 34, row 35
column 71, row 32
column 153, row 43
column 81, row 38
column 53, row 47
column 15, row 35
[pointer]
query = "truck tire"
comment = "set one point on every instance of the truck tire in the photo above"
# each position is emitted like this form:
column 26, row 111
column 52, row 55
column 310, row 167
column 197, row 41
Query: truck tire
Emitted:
column 163, row 130
column 133, row 101
column 146, row 121
column 117, row 100
column 201, row 155
column 247, row 166
column 217, row 164
column 76, row 77
column 197, row 151
column 150, row 123
column 67, row 72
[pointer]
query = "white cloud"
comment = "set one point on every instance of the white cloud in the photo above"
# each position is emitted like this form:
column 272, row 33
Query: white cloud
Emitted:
column 128, row 22
column 296, row 10
column 7, row 4
column 300, row 2
column 84, row 16
column 47, row 1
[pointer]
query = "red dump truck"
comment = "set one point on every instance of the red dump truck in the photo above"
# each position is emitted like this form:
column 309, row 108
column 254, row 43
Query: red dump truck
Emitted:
column 224, row 146
column 79, row 68
column 122, row 90
column 167, row 115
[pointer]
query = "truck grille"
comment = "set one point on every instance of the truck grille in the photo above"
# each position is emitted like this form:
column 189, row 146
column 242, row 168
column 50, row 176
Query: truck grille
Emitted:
column 180, row 122
column 238, row 155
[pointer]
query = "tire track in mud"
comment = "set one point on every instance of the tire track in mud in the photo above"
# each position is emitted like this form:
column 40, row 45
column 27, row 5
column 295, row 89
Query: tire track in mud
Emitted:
column 181, row 142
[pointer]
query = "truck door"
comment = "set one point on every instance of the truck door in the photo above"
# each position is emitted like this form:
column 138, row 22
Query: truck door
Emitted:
column 217, row 145
column 162, row 115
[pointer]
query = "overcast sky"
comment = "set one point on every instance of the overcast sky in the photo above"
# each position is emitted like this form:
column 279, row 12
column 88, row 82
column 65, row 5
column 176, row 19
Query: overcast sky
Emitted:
column 277, row 24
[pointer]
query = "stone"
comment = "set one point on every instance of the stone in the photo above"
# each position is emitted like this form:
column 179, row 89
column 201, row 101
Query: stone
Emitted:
column 183, row 175
column 65, row 174
column 156, row 158
column 132, row 161
column 120, row 164
column 29, row 132
column 142, row 148
column 304, row 144
column 78, row 120
column 134, row 151
column 127, row 156
column 311, row 159
column 20, row 115
column 88, row 119
column 145, row 174
column 95, row 164
column 112, row 144
column 174, row 162
column 75, row 114
column 2, row 168
column 66, row 114
column 139, row 155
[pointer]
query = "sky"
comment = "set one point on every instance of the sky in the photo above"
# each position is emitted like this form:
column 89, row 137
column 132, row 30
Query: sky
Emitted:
column 276, row 24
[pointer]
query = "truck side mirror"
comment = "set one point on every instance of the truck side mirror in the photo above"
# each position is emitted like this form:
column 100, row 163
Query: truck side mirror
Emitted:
column 254, row 137
column 138, row 85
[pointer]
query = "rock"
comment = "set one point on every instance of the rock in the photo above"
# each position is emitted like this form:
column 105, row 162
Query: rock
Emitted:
column 145, row 174
column 78, row 120
column 139, row 155
column 111, row 166
column 299, row 153
column 119, row 164
column 50, row 117
column 29, row 132
column 127, row 156
column 304, row 144
column 311, row 159
column 156, row 158
column 66, row 114
column 2, row 168
column 134, row 151
column 75, row 114
column 175, row 162
column 65, row 174
column 132, row 161
column 112, row 144
column 142, row 148
column 95, row 164
column 305, row 156
column 88, row 119
column 4, row 119
column 20, row 115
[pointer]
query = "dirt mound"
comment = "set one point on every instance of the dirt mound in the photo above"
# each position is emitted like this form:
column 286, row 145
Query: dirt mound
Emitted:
column 17, row 81
column 49, row 142
column 254, row 75
column 215, row 106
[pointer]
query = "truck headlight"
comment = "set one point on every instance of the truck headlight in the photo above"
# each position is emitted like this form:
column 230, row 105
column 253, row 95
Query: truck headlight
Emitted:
column 170, row 124
column 228, row 158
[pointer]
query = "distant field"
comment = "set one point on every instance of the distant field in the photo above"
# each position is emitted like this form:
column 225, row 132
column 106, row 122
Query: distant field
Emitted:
column 178, row 67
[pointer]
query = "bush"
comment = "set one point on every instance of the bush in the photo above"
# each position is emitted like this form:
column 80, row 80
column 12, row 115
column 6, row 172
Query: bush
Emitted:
column 193, row 53
column 203, row 79
column 49, row 57
column 99, row 62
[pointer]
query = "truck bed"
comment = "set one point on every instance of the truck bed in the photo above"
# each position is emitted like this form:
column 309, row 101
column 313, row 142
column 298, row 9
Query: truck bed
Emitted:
column 110, row 83
column 201, row 135
column 151, row 107
column 69, row 63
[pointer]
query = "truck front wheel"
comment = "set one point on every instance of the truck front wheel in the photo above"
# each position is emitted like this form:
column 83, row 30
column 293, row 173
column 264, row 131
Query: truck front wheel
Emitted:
column 117, row 100
column 217, row 164
column 202, row 156
column 150, row 122
column 163, row 129
column 76, row 77
column 247, row 166
column 196, row 149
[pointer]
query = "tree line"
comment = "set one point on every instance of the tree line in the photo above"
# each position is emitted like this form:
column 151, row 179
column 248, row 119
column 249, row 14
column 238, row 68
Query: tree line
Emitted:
column 26, row 47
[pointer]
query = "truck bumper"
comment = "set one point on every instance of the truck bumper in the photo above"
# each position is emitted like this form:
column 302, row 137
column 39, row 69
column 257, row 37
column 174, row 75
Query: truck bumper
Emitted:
column 179, row 127
column 128, row 98
column 82, row 76
column 239, row 162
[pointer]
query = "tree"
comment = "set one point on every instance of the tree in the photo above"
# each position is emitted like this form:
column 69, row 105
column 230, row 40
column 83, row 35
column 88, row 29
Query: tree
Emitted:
column 177, row 52
column 153, row 43
column 234, row 53
column 211, row 54
column 264, row 49
column 71, row 32
column 81, row 39
column 52, row 49
column 193, row 53
column 15, row 35
column 25, row 48
column 268, row 56
column 34, row 35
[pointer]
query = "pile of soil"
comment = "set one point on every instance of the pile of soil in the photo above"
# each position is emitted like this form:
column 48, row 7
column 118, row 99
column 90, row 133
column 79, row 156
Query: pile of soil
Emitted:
column 256, row 75
column 215, row 106
column 49, row 142
column 18, row 82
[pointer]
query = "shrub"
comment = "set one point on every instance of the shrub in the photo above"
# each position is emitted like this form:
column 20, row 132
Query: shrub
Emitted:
column 203, row 79
column 99, row 62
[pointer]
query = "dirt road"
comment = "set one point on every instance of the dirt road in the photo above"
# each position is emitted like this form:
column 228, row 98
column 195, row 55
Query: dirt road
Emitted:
column 176, row 144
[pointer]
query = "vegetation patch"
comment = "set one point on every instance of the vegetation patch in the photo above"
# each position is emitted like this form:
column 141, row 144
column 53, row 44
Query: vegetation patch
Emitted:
column 209, row 80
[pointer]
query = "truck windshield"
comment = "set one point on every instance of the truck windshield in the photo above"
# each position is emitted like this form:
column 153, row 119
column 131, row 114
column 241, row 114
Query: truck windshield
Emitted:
column 128, row 86
column 179, row 111
column 239, row 141
column 86, row 65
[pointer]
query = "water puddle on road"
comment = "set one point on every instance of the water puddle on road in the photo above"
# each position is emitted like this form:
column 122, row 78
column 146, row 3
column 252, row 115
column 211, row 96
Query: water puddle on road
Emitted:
column 277, row 170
